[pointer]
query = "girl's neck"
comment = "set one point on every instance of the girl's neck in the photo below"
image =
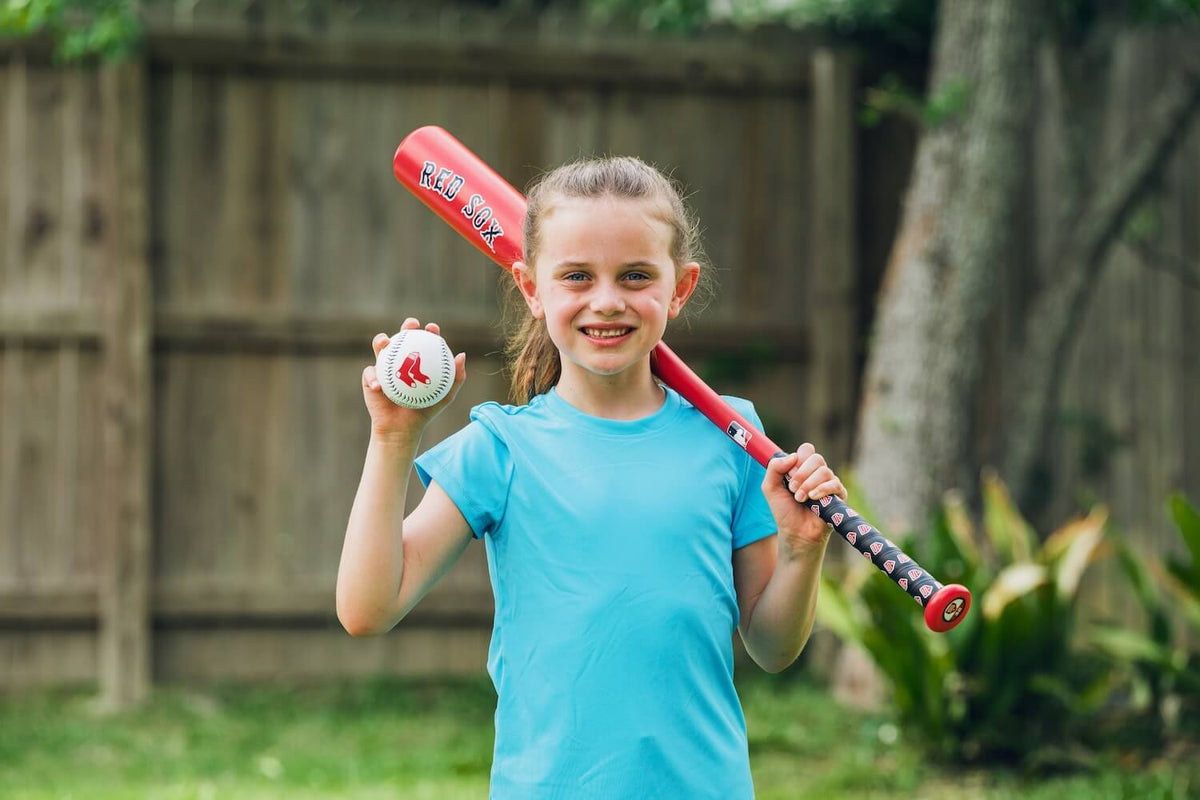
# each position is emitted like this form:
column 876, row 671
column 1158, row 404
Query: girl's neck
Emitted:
column 632, row 394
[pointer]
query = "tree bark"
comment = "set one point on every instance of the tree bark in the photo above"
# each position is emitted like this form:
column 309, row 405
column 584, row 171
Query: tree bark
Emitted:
column 922, row 369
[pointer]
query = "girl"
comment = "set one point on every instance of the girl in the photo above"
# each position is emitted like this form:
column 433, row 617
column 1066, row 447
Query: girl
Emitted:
column 627, row 539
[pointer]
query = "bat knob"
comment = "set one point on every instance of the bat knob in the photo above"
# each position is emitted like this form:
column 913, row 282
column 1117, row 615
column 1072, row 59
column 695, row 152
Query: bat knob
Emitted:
column 948, row 607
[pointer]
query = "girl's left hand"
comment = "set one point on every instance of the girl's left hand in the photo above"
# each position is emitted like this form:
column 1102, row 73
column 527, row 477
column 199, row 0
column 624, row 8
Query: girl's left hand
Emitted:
column 809, row 478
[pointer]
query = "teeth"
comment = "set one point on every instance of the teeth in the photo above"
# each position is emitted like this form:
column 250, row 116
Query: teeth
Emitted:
column 608, row 333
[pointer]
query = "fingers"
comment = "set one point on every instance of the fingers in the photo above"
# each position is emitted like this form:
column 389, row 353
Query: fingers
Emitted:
column 781, row 464
column 811, row 477
column 381, row 340
column 369, row 379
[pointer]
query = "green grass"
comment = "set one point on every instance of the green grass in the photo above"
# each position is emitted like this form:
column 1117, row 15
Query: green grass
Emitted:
column 432, row 741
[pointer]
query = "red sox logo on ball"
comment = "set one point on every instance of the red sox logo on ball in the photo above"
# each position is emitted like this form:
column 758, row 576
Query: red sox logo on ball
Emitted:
column 410, row 371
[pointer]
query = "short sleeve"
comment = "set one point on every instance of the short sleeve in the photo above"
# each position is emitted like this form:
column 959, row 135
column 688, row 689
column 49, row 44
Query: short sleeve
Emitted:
column 474, row 468
column 752, row 517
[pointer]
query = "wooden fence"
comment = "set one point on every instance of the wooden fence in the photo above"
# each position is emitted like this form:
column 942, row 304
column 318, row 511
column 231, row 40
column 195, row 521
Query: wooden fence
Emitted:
column 198, row 247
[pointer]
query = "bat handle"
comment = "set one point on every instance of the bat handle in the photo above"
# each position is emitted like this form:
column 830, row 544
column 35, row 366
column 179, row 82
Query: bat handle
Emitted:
column 945, row 606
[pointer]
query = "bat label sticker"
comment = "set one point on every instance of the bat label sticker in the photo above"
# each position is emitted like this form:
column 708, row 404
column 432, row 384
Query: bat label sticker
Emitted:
column 738, row 434
column 953, row 609
column 443, row 181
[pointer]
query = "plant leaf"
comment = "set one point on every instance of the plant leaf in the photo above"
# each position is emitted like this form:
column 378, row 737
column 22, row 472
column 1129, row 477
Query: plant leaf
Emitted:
column 1183, row 597
column 958, row 524
column 1013, row 582
column 1187, row 519
column 1084, row 537
column 1127, row 645
column 1008, row 531
column 835, row 611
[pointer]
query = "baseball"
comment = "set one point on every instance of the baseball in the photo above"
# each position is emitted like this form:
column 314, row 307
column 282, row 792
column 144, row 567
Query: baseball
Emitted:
column 416, row 369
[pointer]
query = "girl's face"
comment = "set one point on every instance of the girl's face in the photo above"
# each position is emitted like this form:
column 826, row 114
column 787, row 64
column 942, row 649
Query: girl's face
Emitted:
column 604, row 282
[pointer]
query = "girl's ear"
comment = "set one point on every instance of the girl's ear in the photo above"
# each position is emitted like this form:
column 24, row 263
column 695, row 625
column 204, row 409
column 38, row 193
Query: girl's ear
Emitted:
column 523, row 276
column 689, row 277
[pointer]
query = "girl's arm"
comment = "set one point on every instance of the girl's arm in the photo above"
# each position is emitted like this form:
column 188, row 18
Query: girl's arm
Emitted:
column 389, row 562
column 777, row 578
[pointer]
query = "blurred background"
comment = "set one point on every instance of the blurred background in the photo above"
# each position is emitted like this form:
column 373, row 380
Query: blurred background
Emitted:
column 957, row 247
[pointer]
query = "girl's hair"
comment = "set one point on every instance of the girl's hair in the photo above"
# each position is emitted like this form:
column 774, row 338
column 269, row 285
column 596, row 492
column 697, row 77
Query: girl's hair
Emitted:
column 533, row 360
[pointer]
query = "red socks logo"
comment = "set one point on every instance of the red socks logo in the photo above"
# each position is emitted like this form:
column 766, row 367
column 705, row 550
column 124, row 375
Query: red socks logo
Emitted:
column 410, row 371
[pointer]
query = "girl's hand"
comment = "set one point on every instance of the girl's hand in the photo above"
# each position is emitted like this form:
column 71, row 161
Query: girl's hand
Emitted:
column 809, row 478
column 391, row 420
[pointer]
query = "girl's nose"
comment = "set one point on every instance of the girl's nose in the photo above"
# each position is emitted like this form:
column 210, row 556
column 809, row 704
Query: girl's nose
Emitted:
column 607, row 300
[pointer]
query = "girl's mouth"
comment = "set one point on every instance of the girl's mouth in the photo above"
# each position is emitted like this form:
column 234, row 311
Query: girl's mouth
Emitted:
column 606, row 335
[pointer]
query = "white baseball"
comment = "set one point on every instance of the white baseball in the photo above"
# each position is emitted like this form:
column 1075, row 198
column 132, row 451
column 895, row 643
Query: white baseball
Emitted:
column 416, row 369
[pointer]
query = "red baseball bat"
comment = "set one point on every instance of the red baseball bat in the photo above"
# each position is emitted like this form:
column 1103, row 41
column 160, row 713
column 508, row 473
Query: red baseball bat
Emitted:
column 468, row 194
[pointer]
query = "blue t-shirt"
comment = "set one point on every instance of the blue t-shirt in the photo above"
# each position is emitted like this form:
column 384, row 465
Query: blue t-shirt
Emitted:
column 609, row 545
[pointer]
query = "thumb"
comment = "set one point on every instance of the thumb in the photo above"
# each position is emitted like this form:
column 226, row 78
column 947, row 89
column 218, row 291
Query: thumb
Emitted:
column 781, row 464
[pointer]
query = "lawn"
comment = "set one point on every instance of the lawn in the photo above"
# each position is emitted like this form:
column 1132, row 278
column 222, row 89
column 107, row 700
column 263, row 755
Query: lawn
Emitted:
column 432, row 741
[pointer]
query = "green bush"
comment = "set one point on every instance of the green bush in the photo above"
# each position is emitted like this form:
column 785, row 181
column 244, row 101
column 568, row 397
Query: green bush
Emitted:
column 1008, row 683
column 1164, row 675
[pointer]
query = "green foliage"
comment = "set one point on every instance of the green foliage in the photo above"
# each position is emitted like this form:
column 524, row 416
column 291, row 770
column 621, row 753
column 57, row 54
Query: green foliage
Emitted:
column 1007, row 683
column 1165, row 676
column 664, row 16
column 80, row 29
column 892, row 96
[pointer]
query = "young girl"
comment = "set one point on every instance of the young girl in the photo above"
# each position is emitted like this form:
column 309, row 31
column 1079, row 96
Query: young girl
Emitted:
column 627, row 538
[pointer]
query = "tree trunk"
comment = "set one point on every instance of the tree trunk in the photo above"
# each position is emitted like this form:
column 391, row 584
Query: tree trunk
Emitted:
column 922, row 369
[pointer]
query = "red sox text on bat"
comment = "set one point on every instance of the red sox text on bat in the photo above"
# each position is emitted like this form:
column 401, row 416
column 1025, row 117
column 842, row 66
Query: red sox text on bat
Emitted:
column 448, row 184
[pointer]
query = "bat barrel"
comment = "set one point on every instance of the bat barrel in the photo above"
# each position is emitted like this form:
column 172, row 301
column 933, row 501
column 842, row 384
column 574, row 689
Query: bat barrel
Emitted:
column 464, row 191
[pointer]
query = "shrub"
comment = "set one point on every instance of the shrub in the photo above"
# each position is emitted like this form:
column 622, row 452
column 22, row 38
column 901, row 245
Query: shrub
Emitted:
column 1008, row 683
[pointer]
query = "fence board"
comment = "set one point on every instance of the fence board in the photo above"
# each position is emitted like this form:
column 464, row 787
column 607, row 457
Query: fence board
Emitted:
column 124, row 646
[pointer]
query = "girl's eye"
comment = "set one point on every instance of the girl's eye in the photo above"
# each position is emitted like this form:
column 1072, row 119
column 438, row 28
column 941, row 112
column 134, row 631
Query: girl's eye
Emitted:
column 575, row 276
column 637, row 276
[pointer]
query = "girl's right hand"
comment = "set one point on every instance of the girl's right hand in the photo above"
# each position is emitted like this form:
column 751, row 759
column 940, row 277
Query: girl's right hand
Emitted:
column 389, row 419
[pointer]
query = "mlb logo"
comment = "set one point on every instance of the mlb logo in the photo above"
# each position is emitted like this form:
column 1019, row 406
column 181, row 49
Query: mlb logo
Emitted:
column 738, row 434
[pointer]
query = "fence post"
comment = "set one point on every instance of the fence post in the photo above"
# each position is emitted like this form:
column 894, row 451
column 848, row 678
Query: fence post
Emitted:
column 124, row 586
